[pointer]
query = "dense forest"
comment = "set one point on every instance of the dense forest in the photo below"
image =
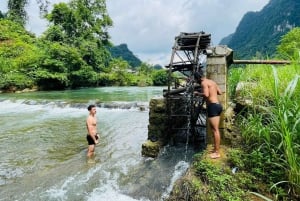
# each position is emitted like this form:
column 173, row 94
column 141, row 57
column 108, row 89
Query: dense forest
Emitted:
column 74, row 51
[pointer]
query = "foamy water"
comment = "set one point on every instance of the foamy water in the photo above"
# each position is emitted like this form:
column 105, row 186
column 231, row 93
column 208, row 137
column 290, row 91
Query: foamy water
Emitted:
column 43, row 154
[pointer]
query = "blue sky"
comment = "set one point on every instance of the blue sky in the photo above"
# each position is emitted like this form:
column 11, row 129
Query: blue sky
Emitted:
column 148, row 27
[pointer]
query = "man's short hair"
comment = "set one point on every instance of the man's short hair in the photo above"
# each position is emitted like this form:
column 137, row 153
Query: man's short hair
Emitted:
column 198, row 75
column 90, row 107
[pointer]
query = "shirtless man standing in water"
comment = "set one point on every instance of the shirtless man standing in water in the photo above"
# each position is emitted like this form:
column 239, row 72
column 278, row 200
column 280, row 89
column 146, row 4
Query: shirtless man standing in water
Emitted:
column 210, row 93
column 92, row 136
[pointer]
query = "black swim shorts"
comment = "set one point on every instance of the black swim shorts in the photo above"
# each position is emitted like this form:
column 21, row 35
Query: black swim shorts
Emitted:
column 90, row 139
column 214, row 109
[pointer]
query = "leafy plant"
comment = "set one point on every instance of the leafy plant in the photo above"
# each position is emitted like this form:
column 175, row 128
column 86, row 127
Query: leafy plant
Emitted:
column 273, row 136
column 160, row 77
column 221, row 183
column 289, row 46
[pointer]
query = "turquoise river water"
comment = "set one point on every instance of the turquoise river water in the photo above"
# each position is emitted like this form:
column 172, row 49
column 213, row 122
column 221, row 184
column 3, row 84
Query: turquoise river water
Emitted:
column 43, row 147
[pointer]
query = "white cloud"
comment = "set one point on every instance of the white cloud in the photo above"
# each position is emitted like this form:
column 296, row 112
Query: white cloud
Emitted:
column 149, row 27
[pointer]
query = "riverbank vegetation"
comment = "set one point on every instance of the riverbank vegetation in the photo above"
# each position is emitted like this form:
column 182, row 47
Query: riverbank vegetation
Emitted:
column 73, row 51
column 270, row 127
column 265, row 165
column 270, row 123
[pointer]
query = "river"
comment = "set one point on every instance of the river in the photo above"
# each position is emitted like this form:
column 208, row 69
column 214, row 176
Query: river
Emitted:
column 43, row 147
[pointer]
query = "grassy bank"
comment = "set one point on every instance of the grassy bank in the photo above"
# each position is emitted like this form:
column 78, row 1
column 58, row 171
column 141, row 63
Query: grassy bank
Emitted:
column 266, row 165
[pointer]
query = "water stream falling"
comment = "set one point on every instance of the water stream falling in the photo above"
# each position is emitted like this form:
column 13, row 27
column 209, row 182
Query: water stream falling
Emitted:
column 188, row 106
column 43, row 147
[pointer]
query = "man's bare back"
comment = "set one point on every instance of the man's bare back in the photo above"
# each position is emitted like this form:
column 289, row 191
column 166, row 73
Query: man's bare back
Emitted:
column 210, row 90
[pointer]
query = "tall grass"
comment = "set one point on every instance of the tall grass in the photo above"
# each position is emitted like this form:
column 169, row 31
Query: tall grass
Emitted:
column 234, row 77
column 286, row 124
column 272, row 131
column 259, row 81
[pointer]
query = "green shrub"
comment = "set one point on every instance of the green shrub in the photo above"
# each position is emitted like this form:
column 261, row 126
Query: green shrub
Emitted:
column 15, row 81
column 221, row 183
column 160, row 77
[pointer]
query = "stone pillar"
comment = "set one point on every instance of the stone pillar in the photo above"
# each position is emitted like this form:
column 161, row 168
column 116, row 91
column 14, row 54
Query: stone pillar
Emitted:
column 157, row 128
column 218, row 61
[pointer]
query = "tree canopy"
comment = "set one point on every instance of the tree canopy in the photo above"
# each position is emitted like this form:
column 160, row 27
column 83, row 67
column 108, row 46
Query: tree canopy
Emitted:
column 73, row 51
column 18, row 53
column 290, row 44
column 17, row 12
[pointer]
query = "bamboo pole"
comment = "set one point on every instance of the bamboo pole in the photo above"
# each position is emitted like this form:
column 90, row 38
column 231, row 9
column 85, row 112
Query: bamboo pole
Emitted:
column 261, row 62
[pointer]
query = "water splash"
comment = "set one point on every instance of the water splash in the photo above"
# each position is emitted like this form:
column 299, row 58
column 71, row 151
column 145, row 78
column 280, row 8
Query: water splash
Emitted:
column 180, row 168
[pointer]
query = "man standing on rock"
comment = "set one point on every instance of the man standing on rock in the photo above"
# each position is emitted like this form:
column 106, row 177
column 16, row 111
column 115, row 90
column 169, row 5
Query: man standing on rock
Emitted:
column 92, row 136
column 210, row 92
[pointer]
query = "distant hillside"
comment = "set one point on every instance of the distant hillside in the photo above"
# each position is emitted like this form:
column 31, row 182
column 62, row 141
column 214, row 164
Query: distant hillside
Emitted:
column 123, row 52
column 260, row 32
column 226, row 40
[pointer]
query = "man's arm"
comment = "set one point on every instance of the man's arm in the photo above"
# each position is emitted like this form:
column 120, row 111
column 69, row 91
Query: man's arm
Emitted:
column 219, row 90
column 197, row 93
column 205, row 89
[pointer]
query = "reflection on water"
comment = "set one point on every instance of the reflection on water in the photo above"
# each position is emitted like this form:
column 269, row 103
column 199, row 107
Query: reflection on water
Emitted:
column 43, row 149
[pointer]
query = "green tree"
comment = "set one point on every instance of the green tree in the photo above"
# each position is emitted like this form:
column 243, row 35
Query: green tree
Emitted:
column 18, row 55
column 64, row 24
column 82, row 19
column 17, row 12
column 2, row 15
column 82, row 24
column 120, row 72
column 145, row 69
column 290, row 44
column 62, row 67
column 160, row 77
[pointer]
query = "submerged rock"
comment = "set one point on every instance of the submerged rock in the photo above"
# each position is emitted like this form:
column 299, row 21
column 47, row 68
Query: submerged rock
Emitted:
column 151, row 149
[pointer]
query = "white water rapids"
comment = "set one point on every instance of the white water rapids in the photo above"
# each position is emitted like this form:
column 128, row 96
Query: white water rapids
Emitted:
column 43, row 155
